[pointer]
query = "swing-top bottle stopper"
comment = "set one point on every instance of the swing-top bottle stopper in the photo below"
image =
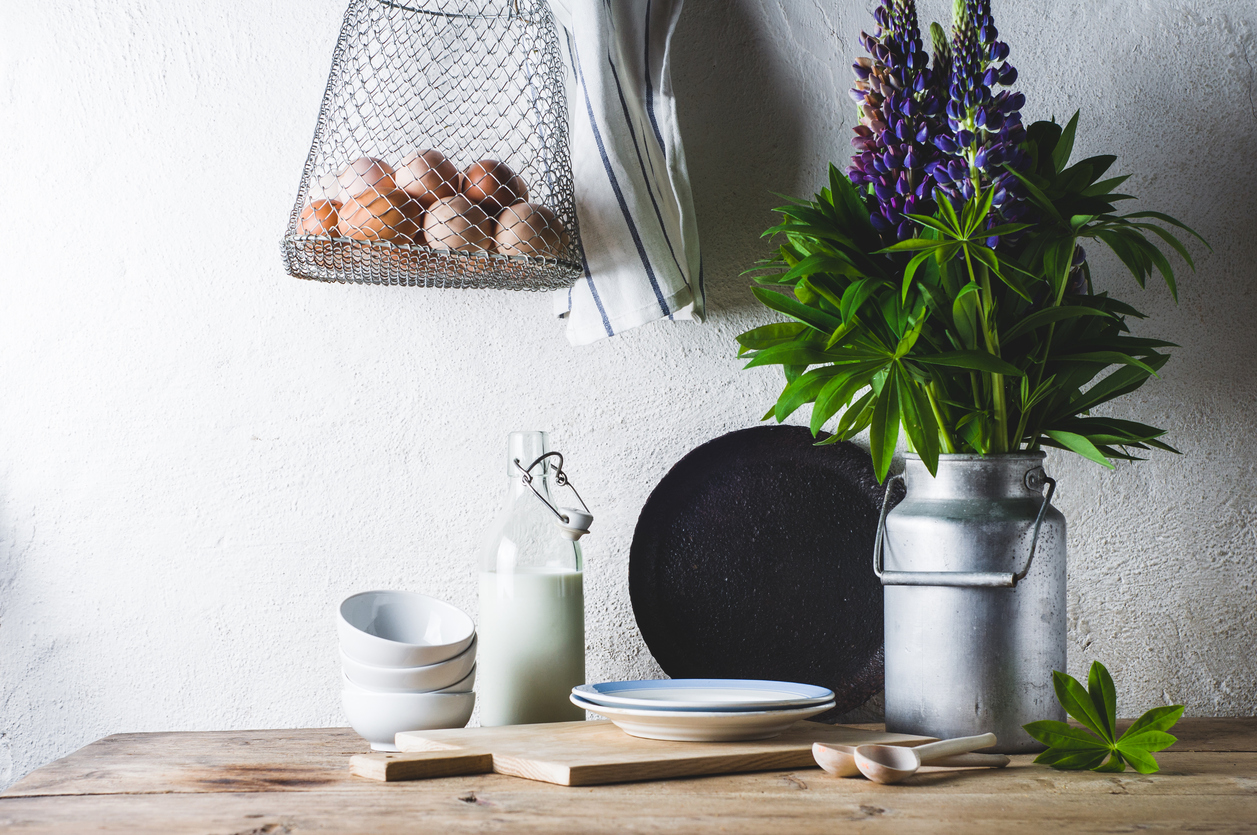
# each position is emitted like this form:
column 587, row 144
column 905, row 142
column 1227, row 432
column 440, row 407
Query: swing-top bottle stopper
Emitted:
column 573, row 522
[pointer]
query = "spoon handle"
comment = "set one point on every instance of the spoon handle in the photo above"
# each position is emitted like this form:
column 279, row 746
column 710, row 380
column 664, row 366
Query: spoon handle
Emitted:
column 960, row 745
column 970, row 761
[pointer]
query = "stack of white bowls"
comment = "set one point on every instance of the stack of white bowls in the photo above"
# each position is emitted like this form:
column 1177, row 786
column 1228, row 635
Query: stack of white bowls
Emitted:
column 409, row 663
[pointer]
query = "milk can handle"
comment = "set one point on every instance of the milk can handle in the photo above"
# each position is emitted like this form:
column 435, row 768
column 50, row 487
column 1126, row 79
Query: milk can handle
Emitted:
column 984, row 579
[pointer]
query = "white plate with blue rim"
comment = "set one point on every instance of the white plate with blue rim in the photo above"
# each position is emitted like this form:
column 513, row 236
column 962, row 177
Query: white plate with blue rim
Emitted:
column 704, row 695
column 703, row 726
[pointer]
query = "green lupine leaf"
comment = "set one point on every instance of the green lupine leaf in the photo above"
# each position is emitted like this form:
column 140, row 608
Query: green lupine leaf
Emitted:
column 830, row 285
column 1049, row 315
column 813, row 318
column 1158, row 260
column 918, row 420
column 884, row 430
column 1115, row 764
column 1043, row 136
column 911, row 270
column 1073, row 760
column 1164, row 218
column 1128, row 255
column 910, row 245
column 1075, row 748
column 1005, row 229
column 855, row 417
column 766, row 336
column 854, row 297
column 1103, row 187
column 1103, row 697
column 1107, row 358
column 1065, row 145
column 837, row 393
column 842, row 335
column 973, row 360
column 1097, row 164
column 1063, row 736
column 1036, row 195
column 964, row 315
column 1122, row 381
column 1140, row 759
column 976, row 211
column 932, row 223
column 948, row 213
column 1146, row 740
column 1172, row 241
column 1077, row 703
column 1081, row 445
column 1157, row 719
column 791, row 353
column 818, row 263
column 803, row 390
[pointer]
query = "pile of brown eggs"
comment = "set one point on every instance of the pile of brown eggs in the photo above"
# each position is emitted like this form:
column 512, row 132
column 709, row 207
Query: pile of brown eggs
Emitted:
column 427, row 201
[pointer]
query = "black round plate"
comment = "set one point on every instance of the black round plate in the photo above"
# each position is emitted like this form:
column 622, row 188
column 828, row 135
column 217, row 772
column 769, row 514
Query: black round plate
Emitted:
column 753, row 559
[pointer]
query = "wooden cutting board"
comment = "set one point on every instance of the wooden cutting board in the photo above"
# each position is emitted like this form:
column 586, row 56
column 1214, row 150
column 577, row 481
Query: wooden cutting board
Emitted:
column 593, row 753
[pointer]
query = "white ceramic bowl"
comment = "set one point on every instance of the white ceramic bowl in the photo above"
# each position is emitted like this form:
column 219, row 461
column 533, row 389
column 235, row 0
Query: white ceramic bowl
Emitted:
column 410, row 679
column 380, row 717
column 463, row 686
column 401, row 629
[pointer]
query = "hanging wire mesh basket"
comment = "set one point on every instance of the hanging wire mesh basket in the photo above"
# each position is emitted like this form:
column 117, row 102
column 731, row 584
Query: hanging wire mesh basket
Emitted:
column 440, row 158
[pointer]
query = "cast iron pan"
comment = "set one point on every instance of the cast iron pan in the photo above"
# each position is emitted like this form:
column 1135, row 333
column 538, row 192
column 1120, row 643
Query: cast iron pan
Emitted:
column 753, row 559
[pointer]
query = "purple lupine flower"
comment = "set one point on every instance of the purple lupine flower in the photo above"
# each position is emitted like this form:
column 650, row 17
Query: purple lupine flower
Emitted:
column 985, row 127
column 901, row 112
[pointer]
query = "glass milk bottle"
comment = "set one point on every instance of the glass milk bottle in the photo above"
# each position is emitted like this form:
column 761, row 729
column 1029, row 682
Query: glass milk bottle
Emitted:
column 532, row 600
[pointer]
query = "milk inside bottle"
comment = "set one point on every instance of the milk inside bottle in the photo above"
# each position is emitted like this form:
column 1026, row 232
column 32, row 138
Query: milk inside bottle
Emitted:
column 532, row 603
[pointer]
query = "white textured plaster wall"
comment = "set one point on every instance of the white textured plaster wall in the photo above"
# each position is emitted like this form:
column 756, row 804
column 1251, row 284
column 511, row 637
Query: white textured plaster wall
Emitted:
column 199, row 456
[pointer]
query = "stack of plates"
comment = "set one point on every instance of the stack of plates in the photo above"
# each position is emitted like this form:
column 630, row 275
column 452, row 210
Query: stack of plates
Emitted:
column 703, row 709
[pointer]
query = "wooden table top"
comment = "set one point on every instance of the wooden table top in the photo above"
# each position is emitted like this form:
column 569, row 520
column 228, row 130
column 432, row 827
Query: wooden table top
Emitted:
column 292, row 781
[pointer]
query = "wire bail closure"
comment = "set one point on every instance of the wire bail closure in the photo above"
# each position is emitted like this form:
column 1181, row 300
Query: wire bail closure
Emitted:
column 573, row 523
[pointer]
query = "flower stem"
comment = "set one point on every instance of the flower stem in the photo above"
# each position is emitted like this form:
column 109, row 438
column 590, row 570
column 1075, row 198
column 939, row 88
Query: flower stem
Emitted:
column 1047, row 350
column 999, row 430
column 949, row 446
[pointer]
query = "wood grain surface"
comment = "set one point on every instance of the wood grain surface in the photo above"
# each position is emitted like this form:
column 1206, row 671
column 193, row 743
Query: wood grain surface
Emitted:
column 254, row 782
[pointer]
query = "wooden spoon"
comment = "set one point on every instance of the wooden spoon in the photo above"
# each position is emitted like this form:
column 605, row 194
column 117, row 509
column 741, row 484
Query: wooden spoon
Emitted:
column 890, row 763
column 839, row 760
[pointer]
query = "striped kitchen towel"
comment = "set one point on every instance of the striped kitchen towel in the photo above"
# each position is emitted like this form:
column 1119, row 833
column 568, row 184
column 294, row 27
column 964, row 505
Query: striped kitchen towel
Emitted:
column 633, row 203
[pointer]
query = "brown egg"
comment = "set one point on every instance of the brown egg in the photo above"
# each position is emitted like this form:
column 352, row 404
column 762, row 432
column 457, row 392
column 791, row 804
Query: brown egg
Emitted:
column 381, row 217
column 320, row 218
column 365, row 174
column 492, row 185
column 529, row 229
column 456, row 223
column 329, row 188
column 428, row 176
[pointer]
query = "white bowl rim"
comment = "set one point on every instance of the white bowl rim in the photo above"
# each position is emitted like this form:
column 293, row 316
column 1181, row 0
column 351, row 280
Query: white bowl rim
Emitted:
column 470, row 674
column 386, row 642
column 475, row 639
column 356, row 689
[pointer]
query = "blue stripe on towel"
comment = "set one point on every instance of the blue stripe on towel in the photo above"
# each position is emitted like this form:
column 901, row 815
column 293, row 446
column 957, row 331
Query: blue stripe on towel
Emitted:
column 606, row 323
column 615, row 185
column 628, row 120
column 650, row 93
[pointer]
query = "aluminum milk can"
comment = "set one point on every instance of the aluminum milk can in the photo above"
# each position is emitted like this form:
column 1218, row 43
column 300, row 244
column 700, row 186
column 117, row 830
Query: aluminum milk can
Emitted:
column 974, row 583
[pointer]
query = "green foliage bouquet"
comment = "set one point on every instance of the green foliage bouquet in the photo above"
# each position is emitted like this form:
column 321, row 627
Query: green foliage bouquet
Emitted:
column 939, row 286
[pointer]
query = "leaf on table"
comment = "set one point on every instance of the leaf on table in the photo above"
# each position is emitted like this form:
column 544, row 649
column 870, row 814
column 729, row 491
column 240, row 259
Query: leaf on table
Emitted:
column 1157, row 719
column 1103, row 697
column 1096, row 707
